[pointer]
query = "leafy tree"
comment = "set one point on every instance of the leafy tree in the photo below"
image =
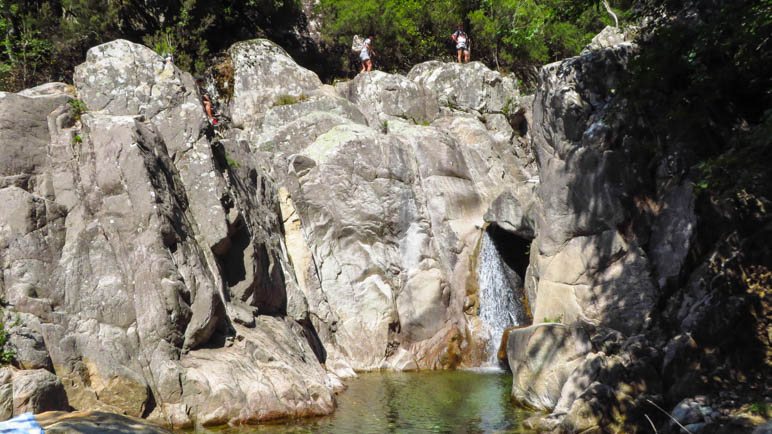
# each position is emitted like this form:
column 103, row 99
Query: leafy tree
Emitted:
column 510, row 34
column 406, row 31
column 703, row 78
column 518, row 34
column 43, row 40
column 26, row 53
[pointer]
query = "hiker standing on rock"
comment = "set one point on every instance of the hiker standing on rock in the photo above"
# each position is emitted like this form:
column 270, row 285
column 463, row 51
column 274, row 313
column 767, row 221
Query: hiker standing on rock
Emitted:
column 366, row 54
column 463, row 44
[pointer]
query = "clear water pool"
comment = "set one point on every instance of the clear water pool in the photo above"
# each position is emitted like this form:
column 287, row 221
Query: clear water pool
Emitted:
column 414, row 402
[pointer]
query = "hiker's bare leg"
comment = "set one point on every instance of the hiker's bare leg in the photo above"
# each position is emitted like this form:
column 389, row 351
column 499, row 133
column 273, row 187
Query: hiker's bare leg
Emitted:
column 369, row 64
column 459, row 55
column 466, row 56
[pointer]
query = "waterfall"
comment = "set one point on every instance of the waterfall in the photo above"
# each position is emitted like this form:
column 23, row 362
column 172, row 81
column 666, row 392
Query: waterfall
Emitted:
column 499, row 306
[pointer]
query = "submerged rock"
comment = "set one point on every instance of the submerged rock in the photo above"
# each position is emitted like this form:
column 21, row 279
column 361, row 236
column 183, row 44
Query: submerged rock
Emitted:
column 87, row 422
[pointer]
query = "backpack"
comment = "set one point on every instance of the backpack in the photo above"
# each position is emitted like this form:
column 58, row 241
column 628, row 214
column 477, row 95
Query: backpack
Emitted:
column 358, row 44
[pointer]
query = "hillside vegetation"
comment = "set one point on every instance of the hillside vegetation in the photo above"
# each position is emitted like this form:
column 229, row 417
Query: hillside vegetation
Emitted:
column 42, row 40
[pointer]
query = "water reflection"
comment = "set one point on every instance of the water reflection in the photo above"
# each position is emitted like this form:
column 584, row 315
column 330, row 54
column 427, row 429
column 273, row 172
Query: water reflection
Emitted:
column 425, row 402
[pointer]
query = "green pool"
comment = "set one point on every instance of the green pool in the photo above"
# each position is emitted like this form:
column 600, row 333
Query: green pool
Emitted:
column 422, row 402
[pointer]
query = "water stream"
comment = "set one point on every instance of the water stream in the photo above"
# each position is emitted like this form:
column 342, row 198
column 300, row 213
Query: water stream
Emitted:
column 499, row 307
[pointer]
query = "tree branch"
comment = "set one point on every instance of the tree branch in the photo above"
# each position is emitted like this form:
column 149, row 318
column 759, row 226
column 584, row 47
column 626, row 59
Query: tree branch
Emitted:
column 613, row 15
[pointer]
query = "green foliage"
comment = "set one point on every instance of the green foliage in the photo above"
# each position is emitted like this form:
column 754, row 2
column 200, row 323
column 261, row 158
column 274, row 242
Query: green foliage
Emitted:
column 24, row 50
column 289, row 99
column 77, row 107
column 77, row 139
column 43, row 40
column 6, row 354
column 702, row 81
column 233, row 164
column 557, row 320
column 406, row 31
column 509, row 106
column 759, row 409
column 517, row 34
column 512, row 34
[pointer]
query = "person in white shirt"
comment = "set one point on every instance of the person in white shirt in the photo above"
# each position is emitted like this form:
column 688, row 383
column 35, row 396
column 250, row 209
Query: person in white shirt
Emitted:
column 366, row 54
column 463, row 44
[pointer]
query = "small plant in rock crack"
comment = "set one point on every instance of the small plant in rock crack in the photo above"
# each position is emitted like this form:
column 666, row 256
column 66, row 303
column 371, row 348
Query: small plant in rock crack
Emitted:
column 289, row 99
column 78, row 107
column 557, row 320
column 77, row 139
column 6, row 354
column 233, row 164
column 510, row 107
column 760, row 409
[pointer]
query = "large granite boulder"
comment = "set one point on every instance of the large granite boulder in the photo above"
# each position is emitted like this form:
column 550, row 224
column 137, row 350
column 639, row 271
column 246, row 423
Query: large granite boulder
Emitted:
column 30, row 391
column 24, row 138
column 542, row 357
column 468, row 86
column 264, row 75
column 356, row 214
column 385, row 97
column 583, row 266
column 25, row 341
column 370, row 190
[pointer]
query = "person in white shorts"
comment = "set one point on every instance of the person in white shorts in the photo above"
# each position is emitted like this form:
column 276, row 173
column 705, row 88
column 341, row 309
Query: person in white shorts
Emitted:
column 463, row 44
column 366, row 53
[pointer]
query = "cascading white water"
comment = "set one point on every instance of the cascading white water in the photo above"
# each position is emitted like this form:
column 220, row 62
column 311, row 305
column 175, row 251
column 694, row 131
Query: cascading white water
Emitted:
column 499, row 307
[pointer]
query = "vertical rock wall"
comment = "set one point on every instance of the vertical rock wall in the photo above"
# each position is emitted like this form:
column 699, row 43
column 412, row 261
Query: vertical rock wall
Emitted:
column 165, row 290
column 584, row 267
column 387, row 179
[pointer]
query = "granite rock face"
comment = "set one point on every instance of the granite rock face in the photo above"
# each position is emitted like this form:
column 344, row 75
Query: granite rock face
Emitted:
column 377, row 178
column 141, row 249
column 160, row 268
column 164, row 270
column 272, row 75
column 617, row 253
column 585, row 268
column 468, row 86
column 542, row 357
column 385, row 97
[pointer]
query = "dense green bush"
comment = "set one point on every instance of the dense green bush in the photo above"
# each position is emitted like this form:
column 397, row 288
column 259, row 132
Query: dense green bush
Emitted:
column 43, row 40
column 509, row 34
column 406, row 31
column 703, row 82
